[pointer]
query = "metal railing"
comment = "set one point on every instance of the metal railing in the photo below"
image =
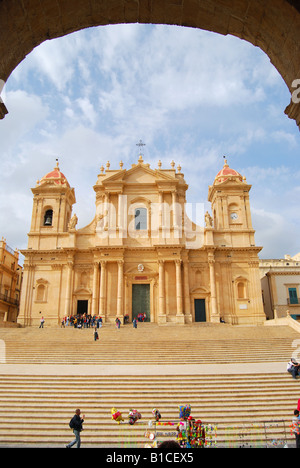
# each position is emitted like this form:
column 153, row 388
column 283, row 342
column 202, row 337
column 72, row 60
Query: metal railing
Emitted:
column 9, row 300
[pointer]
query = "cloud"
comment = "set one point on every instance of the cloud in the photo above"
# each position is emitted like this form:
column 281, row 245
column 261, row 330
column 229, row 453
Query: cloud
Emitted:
column 26, row 112
column 274, row 229
column 88, row 110
column 191, row 95
column 285, row 137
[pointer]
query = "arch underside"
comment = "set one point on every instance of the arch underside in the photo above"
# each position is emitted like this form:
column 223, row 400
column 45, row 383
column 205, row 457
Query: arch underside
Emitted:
column 271, row 25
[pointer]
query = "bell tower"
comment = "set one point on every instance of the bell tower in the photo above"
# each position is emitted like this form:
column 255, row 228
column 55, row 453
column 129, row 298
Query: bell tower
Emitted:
column 52, row 210
column 230, row 204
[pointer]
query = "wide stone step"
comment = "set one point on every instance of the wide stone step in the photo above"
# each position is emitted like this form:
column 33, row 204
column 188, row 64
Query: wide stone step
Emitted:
column 149, row 344
column 36, row 409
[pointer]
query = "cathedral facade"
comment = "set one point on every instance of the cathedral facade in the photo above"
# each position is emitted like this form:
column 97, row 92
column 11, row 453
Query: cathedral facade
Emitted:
column 141, row 254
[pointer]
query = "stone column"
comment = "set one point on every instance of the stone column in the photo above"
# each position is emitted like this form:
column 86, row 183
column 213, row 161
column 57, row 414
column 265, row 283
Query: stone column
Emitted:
column 160, row 209
column 122, row 217
column 255, row 296
column 177, row 220
column 68, row 290
column 224, row 205
column 126, row 297
column 102, row 299
column 120, row 290
column 106, row 212
column 213, row 292
column 161, row 292
column 174, row 208
column 178, row 287
column 186, row 288
column 24, row 317
column 95, row 288
column 161, row 217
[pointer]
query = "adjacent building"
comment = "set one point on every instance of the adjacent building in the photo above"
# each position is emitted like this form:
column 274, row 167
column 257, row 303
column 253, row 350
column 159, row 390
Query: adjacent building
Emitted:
column 280, row 281
column 10, row 284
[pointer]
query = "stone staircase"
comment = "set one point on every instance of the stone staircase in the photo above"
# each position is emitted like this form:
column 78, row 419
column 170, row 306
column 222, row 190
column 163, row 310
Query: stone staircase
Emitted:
column 149, row 344
column 237, row 408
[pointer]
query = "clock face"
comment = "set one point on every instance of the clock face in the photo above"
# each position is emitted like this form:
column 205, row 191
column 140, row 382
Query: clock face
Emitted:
column 234, row 216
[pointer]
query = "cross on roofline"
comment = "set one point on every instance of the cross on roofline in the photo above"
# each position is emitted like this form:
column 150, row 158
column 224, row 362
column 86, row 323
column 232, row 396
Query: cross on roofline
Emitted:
column 140, row 145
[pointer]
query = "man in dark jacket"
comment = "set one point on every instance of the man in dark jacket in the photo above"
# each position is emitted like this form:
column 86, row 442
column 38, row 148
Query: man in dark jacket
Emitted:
column 76, row 424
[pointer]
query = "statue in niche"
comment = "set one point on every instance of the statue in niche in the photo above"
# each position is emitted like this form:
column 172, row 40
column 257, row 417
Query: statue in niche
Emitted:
column 100, row 222
column 208, row 220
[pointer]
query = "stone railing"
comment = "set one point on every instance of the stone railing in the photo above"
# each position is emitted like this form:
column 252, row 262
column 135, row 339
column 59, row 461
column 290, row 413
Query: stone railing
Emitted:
column 283, row 321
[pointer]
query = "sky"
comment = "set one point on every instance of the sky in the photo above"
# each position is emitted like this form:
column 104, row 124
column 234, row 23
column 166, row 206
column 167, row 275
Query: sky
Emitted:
column 192, row 96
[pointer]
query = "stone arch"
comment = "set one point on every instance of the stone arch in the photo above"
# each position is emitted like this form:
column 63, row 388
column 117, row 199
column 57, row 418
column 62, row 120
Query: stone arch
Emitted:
column 47, row 219
column 273, row 25
column 41, row 290
column 241, row 285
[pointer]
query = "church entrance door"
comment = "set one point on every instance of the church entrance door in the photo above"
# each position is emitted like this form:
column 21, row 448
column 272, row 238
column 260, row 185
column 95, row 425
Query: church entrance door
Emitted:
column 82, row 307
column 141, row 301
column 200, row 314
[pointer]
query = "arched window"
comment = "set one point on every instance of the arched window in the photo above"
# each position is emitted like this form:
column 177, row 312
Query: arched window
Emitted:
column 140, row 219
column 40, row 293
column 241, row 287
column 48, row 218
column 41, row 290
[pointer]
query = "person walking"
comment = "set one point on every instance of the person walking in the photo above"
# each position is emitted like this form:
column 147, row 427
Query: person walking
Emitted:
column 96, row 336
column 76, row 424
column 42, row 323
column 99, row 322
column 296, row 427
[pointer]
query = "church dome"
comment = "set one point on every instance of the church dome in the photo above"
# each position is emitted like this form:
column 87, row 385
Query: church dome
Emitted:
column 227, row 173
column 55, row 177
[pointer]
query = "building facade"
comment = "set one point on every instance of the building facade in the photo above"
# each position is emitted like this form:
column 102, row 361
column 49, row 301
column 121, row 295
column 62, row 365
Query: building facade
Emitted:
column 280, row 281
column 141, row 254
column 10, row 284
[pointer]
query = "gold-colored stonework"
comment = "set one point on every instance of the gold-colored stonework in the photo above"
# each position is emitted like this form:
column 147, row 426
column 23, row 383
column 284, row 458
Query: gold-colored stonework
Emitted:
column 141, row 253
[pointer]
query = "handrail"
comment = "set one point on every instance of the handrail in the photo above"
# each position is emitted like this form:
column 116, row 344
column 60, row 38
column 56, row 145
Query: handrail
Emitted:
column 9, row 300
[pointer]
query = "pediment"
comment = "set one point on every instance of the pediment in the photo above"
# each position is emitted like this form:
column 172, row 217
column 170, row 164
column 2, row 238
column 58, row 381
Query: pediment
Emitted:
column 139, row 173
column 42, row 281
column 200, row 290
column 240, row 278
column 81, row 290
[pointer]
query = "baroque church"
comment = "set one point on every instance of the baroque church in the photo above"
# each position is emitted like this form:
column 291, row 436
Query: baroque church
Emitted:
column 141, row 254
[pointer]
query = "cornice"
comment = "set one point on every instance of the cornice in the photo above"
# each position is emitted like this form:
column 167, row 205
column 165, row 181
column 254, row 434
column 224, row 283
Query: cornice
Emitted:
column 283, row 273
